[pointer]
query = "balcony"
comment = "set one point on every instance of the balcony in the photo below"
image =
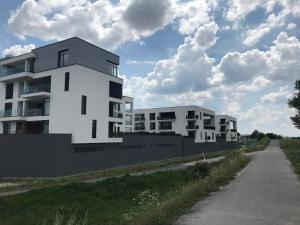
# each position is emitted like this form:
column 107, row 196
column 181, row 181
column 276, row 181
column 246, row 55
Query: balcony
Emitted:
column 192, row 117
column 36, row 91
column 209, row 127
column 36, row 112
column 9, row 115
column 139, row 128
column 166, row 118
column 117, row 114
column 192, row 127
column 233, row 130
column 139, row 119
column 16, row 68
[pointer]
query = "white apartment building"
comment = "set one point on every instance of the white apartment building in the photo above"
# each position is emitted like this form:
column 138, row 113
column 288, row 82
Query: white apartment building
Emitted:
column 226, row 128
column 192, row 121
column 69, row 87
column 128, row 114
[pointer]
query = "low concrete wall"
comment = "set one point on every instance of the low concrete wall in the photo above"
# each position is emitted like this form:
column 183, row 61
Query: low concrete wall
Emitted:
column 53, row 155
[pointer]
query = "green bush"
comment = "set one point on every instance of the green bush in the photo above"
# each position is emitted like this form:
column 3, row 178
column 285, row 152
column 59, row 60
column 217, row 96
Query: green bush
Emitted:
column 259, row 146
column 291, row 148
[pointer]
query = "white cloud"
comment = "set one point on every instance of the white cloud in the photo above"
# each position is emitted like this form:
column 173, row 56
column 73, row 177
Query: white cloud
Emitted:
column 281, row 95
column 17, row 50
column 103, row 22
column 258, row 83
column 280, row 62
column 137, row 62
column 291, row 26
column 193, row 14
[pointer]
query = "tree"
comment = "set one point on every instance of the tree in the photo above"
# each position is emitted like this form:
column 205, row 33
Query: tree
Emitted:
column 295, row 103
column 257, row 135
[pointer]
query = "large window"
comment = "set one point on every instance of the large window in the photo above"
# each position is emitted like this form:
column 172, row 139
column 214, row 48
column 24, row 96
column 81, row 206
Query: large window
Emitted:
column 8, row 109
column 94, row 129
column 83, row 104
column 112, row 68
column 63, row 58
column 9, row 94
column 115, row 90
column 152, row 126
column 67, row 81
column 152, row 116
column 6, row 127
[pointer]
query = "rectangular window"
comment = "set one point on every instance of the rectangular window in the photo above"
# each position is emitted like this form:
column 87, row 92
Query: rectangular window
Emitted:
column 152, row 126
column 83, row 104
column 112, row 68
column 6, row 127
column 152, row 116
column 9, row 91
column 67, row 81
column 63, row 58
column 115, row 90
column 94, row 129
column 213, row 135
column 8, row 109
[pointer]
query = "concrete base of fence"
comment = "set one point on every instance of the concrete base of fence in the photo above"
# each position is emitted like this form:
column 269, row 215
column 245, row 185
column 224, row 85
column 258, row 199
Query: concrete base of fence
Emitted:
column 53, row 155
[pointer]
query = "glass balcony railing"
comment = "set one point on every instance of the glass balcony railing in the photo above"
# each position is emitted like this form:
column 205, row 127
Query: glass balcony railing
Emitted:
column 209, row 127
column 192, row 127
column 36, row 112
column 35, row 89
column 5, row 71
column 9, row 113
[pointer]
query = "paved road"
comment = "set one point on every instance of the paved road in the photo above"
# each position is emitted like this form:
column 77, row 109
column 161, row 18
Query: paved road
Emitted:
column 267, row 192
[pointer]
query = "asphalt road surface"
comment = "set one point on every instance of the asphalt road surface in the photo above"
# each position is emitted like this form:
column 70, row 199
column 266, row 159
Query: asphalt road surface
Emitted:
column 266, row 192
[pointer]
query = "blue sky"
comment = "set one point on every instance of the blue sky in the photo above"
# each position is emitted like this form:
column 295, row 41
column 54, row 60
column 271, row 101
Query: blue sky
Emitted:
column 236, row 57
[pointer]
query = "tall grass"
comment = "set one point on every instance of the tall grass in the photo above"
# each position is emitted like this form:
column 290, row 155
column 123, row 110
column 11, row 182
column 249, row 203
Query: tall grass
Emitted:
column 179, row 201
column 258, row 146
column 291, row 148
column 151, row 199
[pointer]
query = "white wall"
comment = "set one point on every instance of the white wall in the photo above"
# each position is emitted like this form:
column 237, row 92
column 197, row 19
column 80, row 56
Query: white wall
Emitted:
column 230, row 135
column 180, row 123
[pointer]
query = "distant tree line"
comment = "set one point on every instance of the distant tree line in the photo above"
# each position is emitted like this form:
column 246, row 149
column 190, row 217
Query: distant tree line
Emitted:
column 259, row 135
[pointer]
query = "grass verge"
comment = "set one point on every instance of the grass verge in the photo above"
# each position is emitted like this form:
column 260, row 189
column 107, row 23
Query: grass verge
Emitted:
column 258, row 146
column 291, row 148
column 152, row 199
column 23, row 184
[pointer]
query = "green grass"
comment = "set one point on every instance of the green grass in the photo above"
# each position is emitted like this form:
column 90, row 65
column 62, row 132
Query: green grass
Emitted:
column 145, row 200
column 258, row 146
column 291, row 148
column 42, row 183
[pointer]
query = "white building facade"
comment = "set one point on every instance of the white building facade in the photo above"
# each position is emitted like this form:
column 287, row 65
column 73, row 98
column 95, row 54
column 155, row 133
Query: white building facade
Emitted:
column 226, row 127
column 192, row 121
column 69, row 87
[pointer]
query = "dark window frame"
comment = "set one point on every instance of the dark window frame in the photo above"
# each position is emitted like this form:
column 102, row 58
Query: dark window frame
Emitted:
column 62, row 60
column 9, row 91
column 94, row 128
column 67, row 81
column 83, row 104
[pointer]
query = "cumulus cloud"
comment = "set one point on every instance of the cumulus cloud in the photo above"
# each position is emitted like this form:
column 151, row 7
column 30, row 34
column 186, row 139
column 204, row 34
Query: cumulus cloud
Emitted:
column 281, row 95
column 103, row 22
column 17, row 50
column 258, row 83
column 280, row 62
column 291, row 26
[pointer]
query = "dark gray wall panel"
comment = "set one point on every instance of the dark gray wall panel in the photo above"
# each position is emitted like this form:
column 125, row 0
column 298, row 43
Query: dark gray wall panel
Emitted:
column 80, row 52
column 53, row 155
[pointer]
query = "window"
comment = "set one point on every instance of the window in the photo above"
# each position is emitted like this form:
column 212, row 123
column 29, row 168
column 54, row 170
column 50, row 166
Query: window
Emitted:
column 9, row 91
column 152, row 126
column 115, row 90
column 165, row 125
column 83, row 104
column 201, row 135
column 112, row 68
column 63, row 58
column 94, row 129
column 152, row 116
column 8, row 109
column 213, row 135
column 67, row 81
column 200, row 115
column 6, row 127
